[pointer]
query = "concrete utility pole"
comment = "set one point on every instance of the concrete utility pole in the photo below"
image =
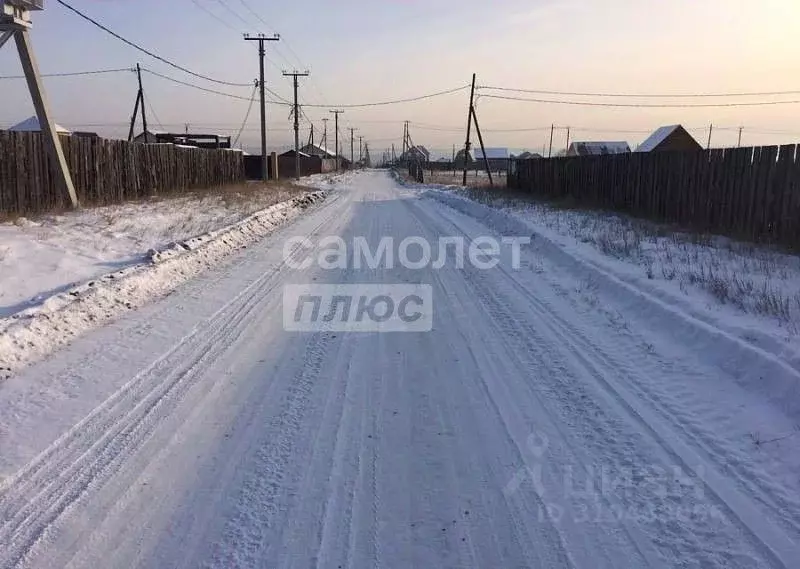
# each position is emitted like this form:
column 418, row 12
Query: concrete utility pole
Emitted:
column 336, row 134
column 15, row 22
column 352, row 156
column 295, row 75
column 261, row 38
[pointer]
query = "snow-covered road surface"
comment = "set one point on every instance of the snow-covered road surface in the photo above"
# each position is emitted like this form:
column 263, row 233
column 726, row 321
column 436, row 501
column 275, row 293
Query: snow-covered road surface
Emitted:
column 543, row 422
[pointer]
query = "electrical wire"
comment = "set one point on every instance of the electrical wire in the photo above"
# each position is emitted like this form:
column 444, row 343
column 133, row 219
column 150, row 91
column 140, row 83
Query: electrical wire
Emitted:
column 146, row 51
column 75, row 73
column 393, row 102
column 643, row 95
column 640, row 105
column 214, row 16
column 247, row 115
column 204, row 89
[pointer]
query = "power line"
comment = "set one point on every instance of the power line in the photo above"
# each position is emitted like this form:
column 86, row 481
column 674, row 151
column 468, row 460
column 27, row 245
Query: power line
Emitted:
column 204, row 89
column 75, row 73
column 396, row 101
column 641, row 105
column 214, row 16
column 247, row 114
column 146, row 51
column 644, row 95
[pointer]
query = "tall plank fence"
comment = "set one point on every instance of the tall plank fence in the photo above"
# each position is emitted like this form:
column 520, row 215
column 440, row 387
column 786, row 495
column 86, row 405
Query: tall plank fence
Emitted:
column 105, row 171
column 751, row 193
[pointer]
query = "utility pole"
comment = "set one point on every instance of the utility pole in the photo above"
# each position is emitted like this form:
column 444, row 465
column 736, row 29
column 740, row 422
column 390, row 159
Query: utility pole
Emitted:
column 710, row 130
column 141, row 95
column 15, row 22
column 739, row 145
column 567, row 149
column 261, row 38
column 352, row 156
column 324, row 142
column 311, row 135
column 550, row 152
column 468, row 144
column 336, row 134
column 360, row 148
column 295, row 75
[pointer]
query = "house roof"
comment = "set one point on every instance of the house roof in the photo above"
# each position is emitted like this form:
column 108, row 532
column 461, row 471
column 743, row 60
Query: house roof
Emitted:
column 491, row 153
column 31, row 124
column 317, row 149
column 528, row 155
column 659, row 136
column 291, row 153
column 597, row 148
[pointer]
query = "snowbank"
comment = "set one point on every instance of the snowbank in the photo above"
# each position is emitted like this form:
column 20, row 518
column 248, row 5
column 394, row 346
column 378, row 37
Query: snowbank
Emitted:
column 48, row 255
column 32, row 333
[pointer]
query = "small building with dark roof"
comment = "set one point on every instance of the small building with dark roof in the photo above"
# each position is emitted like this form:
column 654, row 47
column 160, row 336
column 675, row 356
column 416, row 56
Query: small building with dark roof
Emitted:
column 598, row 148
column 673, row 138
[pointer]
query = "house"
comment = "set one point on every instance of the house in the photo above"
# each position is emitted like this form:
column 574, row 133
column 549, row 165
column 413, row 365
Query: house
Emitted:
column 528, row 156
column 207, row 141
column 318, row 150
column 670, row 138
column 597, row 148
column 497, row 157
column 31, row 124
column 309, row 164
column 416, row 154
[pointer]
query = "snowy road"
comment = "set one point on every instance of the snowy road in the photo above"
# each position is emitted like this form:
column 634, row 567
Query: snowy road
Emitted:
column 543, row 422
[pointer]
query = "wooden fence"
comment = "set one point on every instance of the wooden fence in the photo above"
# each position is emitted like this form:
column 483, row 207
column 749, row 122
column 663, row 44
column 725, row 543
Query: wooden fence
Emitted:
column 751, row 193
column 105, row 171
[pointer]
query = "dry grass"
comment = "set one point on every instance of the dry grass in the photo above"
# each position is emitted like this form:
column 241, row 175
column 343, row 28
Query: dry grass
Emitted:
column 481, row 180
column 755, row 279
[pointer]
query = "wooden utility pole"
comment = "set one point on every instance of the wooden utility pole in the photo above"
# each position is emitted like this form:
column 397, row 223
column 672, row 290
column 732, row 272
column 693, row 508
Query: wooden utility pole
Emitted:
column 468, row 144
column 550, row 152
column 336, row 134
column 710, row 130
column 311, row 135
column 739, row 145
column 15, row 22
column 360, row 148
column 261, row 38
column 295, row 75
column 141, row 96
column 483, row 147
column 324, row 142
column 352, row 139
column 567, row 148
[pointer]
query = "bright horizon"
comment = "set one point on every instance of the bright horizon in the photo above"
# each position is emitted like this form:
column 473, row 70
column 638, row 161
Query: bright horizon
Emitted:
column 359, row 53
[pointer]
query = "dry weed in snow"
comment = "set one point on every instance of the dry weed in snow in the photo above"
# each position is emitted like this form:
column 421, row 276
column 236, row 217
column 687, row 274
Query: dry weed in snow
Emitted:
column 753, row 279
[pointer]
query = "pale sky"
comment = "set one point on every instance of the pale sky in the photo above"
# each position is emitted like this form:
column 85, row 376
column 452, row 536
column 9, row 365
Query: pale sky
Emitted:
column 389, row 49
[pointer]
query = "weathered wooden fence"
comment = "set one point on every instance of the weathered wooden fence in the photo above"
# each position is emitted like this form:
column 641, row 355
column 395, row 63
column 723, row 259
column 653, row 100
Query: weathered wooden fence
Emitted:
column 105, row 171
column 752, row 193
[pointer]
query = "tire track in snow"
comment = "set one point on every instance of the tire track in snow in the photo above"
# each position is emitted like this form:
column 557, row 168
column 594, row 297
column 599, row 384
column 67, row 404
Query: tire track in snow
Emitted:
column 91, row 452
column 771, row 543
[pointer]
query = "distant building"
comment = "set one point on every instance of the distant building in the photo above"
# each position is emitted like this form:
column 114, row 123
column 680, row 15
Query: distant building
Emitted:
column 528, row 156
column 416, row 154
column 673, row 138
column 598, row 148
column 208, row 141
column 31, row 124
column 317, row 150
column 497, row 157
